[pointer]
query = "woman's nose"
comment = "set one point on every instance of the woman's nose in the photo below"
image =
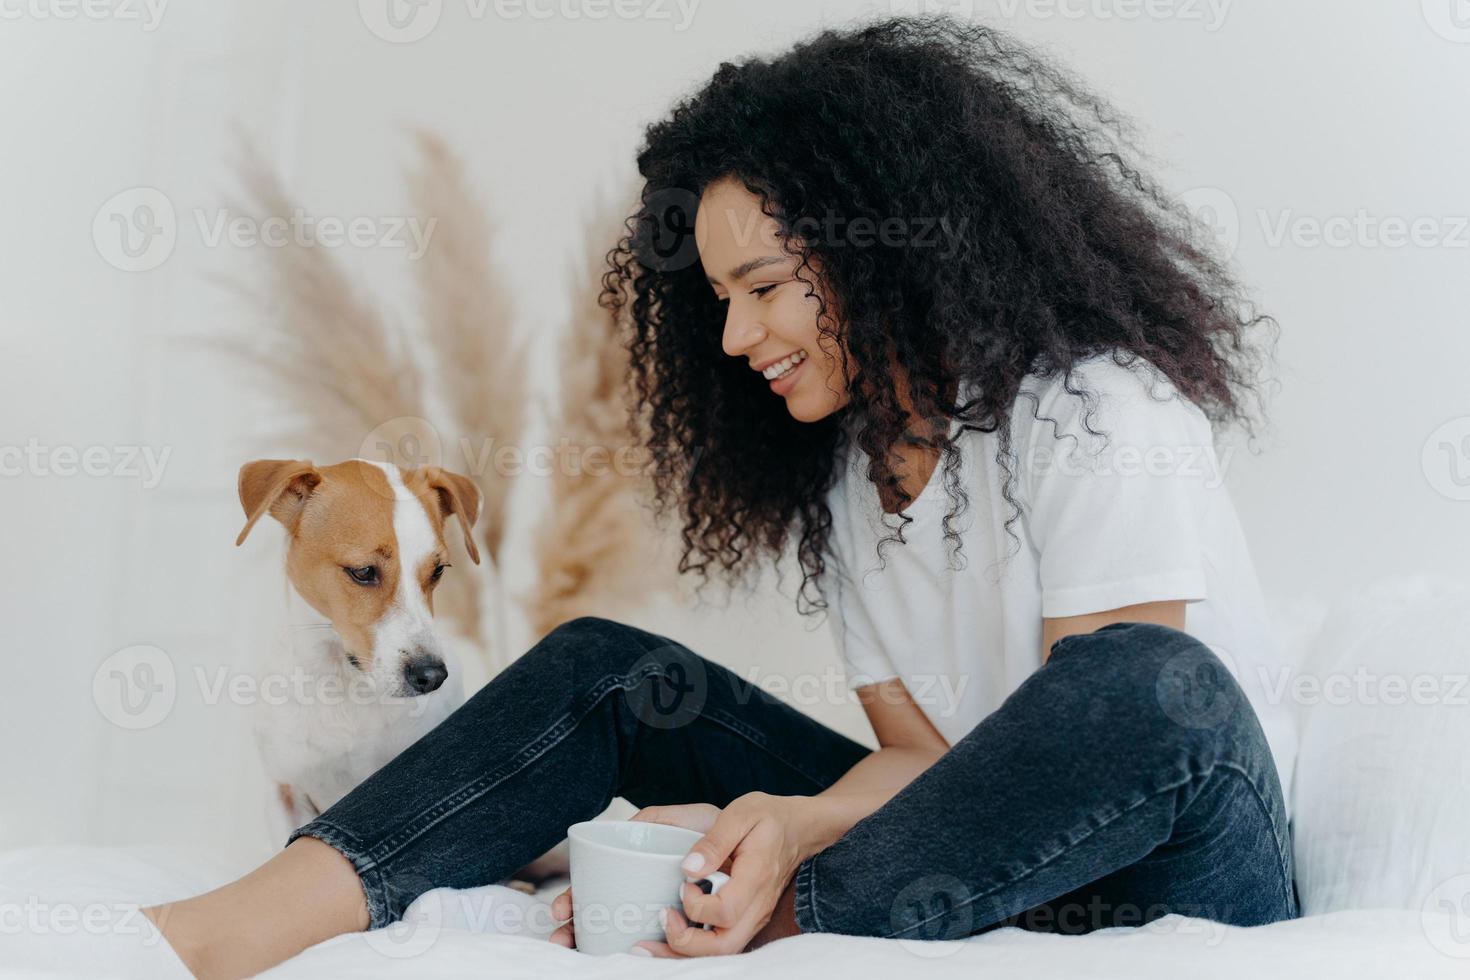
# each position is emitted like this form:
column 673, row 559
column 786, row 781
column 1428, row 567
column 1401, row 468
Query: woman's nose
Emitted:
column 742, row 332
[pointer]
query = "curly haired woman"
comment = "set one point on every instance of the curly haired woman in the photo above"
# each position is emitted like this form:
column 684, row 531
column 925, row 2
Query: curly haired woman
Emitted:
column 931, row 325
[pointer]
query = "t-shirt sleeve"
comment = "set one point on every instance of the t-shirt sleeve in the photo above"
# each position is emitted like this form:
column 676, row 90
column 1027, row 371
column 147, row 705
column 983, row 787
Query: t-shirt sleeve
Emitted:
column 1115, row 517
column 863, row 659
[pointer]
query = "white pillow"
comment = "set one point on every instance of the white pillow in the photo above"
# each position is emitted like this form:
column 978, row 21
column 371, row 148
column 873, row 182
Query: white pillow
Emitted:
column 1382, row 790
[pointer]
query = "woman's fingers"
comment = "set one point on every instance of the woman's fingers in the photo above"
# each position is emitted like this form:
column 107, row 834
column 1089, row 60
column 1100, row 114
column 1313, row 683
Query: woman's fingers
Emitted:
column 660, row 950
column 685, row 939
column 708, row 910
column 720, row 840
column 693, row 816
column 561, row 911
column 561, row 906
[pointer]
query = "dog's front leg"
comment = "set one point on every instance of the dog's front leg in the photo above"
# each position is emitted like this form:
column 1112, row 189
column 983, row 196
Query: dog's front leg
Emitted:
column 290, row 809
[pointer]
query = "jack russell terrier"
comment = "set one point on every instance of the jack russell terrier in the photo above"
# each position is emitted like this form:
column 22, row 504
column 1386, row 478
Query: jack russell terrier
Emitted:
column 366, row 551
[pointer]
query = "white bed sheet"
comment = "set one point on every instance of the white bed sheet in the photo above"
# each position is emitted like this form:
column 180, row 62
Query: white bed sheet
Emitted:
column 1345, row 945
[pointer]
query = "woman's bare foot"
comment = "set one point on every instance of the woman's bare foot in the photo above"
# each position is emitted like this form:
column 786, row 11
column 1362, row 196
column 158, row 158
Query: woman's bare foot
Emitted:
column 306, row 894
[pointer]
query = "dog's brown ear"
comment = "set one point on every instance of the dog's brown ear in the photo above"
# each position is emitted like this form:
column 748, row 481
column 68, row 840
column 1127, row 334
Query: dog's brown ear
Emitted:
column 279, row 486
column 458, row 495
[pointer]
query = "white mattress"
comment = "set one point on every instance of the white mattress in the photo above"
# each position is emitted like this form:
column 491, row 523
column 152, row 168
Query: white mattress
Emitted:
column 1345, row 945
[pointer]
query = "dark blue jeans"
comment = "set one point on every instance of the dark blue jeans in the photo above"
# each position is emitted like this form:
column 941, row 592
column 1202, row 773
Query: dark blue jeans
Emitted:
column 1125, row 779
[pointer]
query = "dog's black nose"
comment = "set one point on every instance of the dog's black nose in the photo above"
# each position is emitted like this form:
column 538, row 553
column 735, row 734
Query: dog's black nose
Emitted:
column 425, row 675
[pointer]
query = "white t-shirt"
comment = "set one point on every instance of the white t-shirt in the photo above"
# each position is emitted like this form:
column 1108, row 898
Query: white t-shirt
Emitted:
column 1137, row 513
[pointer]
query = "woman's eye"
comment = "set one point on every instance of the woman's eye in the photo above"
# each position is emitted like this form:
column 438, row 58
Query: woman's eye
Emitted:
column 762, row 290
column 366, row 575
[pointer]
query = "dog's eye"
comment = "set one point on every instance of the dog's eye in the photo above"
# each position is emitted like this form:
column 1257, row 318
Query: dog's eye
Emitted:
column 366, row 575
column 438, row 571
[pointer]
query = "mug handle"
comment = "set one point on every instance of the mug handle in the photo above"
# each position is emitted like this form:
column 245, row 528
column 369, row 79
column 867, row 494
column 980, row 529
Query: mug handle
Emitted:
column 710, row 884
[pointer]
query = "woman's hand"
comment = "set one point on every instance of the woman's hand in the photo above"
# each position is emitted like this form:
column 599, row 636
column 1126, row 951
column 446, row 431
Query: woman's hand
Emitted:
column 693, row 816
column 759, row 836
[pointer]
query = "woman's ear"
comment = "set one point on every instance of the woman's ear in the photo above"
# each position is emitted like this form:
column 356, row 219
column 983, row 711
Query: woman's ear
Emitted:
column 279, row 486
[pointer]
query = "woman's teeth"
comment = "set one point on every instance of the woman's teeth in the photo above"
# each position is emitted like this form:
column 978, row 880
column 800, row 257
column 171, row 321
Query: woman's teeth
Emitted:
column 784, row 366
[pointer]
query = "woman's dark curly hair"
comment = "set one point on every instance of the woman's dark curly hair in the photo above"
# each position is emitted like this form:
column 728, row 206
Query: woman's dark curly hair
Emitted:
column 1067, row 251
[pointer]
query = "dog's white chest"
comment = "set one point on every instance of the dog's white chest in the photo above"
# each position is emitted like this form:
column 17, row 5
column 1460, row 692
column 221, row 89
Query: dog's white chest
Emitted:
column 330, row 728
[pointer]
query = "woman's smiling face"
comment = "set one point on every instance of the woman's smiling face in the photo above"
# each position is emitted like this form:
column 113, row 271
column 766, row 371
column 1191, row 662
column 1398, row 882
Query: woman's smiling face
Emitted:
column 769, row 317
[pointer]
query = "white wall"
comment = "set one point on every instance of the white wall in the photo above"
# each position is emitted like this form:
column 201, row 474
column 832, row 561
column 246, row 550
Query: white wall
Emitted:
column 1307, row 110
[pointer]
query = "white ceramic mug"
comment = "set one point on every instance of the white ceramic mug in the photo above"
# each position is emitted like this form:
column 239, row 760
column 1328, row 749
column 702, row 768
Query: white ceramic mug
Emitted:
column 623, row 873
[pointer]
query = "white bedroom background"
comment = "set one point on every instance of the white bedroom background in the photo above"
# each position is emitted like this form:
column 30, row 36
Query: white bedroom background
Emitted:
column 1337, row 178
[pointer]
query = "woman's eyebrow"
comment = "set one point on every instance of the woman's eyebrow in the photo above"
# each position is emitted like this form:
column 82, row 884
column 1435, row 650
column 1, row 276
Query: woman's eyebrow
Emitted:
column 746, row 268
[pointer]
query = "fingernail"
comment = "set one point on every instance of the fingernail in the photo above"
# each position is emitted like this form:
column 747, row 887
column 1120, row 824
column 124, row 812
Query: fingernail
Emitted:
column 639, row 951
column 663, row 919
column 693, row 862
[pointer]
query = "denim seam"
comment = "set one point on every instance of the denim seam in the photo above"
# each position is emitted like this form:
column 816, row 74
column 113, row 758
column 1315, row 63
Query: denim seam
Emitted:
column 1235, row 767
column 759, row 741
column 805, row 888
column 528, row 754
column 390, row 846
